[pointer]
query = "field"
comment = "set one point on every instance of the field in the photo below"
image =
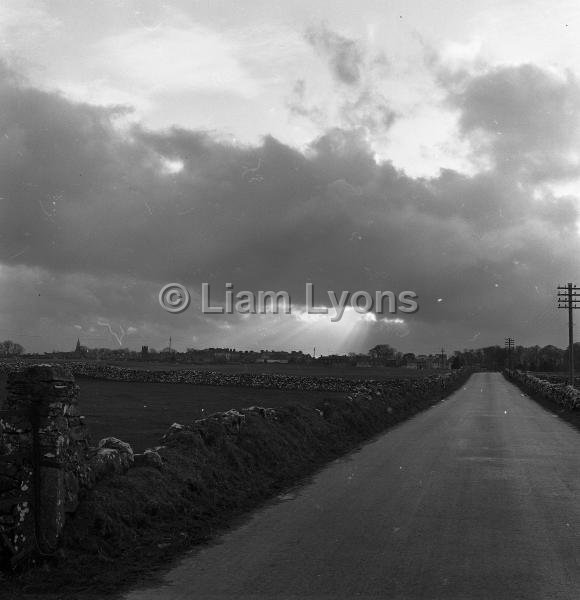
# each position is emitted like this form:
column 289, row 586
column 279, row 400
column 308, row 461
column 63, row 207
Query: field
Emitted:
column 140, row 413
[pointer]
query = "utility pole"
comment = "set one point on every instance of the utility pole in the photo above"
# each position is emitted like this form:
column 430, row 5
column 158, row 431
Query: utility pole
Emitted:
column 567, row 295
column 509, row 344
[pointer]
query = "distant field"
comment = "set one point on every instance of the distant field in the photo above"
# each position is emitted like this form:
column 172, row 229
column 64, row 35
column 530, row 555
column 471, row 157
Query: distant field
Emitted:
column 140, row 413
column 282, row 369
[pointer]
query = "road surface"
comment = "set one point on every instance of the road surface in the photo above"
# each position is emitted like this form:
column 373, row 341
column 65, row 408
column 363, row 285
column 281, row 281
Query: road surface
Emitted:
column 476, row 498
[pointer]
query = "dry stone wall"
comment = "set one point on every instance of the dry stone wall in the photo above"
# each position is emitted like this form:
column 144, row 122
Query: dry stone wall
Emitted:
column 565, row 396
column 215, row 378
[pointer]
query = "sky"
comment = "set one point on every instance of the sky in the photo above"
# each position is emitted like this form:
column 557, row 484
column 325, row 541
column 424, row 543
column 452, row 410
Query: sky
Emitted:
column 358, row 146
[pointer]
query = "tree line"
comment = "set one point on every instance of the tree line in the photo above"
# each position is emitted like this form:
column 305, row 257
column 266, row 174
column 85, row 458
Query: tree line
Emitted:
column 532, row 358
column 10, row 348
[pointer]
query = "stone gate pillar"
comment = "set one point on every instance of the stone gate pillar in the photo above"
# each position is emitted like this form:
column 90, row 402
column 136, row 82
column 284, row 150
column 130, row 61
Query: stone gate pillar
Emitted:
column 43, row 443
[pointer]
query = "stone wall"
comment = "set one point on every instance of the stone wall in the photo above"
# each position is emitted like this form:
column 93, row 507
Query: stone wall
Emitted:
column 277, row 381
column 565, row 396
column 45, row 460
column 42, row 442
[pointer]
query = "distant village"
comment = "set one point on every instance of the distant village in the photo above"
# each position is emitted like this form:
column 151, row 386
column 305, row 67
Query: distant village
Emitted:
column 533, row 358
column 380, row 355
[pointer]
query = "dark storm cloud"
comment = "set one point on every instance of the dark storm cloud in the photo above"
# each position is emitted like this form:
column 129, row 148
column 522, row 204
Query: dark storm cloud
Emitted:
column 79, row 196
column 345, row 56
column 528, row 119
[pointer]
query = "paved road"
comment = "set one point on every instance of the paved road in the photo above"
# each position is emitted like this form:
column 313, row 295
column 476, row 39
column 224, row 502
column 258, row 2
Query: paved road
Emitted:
column 477, row 498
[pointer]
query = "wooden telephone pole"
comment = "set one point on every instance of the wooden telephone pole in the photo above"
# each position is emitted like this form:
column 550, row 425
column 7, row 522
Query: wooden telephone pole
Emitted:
column 509, row 344
column 567, row 295
column 442, row 358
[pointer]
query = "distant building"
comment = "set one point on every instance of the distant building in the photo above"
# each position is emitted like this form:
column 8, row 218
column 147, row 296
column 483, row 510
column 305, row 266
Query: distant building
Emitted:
column 80, row 351
column 264, row 357
column 335, row 360
column 363, row 363
column 423, row 361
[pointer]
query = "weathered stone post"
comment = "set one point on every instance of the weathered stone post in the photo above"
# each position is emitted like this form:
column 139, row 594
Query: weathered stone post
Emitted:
column 43, row 444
